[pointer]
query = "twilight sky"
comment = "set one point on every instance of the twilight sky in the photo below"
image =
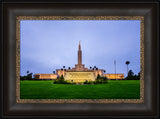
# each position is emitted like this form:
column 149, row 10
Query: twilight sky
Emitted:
column 47, row 45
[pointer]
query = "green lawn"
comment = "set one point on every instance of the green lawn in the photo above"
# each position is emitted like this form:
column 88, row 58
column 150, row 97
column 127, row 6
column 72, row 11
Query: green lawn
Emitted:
column 125, row 89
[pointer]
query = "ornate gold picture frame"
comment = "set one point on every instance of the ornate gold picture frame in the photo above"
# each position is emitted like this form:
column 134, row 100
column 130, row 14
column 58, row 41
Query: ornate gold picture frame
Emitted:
column 14, row 11
column 141, row 18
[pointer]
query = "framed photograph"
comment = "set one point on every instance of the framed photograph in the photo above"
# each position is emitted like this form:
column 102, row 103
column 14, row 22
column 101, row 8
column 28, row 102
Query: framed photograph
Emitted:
column 80, row 59
column 59, row 33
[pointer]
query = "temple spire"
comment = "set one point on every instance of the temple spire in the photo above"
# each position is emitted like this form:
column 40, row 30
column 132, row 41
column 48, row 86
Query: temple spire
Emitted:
column 79, row 54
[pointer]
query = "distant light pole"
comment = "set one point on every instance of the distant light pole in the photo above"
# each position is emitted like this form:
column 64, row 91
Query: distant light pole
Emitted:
column 127, row 63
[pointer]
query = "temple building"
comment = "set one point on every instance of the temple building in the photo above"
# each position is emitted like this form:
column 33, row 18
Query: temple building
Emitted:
column 45, row 76
column 114, row 76
column 80, row 67
column 79, row 73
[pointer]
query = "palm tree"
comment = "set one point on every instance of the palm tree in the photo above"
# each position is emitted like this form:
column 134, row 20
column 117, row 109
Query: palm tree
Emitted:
column 104, row 71
column 53, row 72
column 127, row 63
column 90, row 67
column 27, row 71
column 130, row 73
column 63, row 66
column 69, row 67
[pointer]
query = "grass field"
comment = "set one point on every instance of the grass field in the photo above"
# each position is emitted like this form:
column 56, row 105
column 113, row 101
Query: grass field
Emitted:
column 125, row 89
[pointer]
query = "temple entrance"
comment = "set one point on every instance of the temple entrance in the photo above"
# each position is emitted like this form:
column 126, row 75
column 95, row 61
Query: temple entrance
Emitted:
column 79, row 77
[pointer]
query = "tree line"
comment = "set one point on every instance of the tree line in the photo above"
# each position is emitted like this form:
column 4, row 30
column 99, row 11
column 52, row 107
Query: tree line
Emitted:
column 132, row 76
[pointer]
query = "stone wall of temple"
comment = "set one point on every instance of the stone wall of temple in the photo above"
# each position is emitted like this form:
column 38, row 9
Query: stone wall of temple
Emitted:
column 114, row 76
column 99, row 71
column 77, row 77
column 60, row 72
column 45, row 76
